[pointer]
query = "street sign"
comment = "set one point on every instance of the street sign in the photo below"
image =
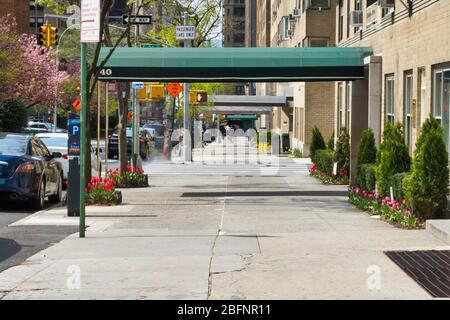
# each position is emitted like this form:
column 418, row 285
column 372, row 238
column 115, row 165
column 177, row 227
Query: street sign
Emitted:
column 185, row 33
column 136, row 19
column 137, row 85
column 74, row 127
column 76, row 104
column 174, row 88
column 90, row 21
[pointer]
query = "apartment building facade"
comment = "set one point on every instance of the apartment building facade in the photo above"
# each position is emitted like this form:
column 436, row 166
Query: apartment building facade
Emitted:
column 307, row 23
column 408, row 76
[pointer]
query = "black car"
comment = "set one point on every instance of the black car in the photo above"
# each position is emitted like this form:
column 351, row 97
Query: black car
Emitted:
column 28, row 171
column 113, row 143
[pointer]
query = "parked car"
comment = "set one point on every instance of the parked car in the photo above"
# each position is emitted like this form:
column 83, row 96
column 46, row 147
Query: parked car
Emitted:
column 58, row 142
column 154, row 129
column 113, row 143
column 36, row 127
column 28, row 171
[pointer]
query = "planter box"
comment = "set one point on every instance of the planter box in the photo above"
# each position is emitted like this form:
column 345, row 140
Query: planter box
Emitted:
column 142, row 184
column 113, row 203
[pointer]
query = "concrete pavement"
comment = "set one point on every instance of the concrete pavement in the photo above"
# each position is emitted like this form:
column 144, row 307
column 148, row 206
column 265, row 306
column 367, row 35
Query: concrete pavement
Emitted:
column 205, row 236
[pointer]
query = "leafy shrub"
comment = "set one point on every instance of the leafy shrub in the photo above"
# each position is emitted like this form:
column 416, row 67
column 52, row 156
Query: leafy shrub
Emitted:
column 13, row 116
column 396, row 182
column 330, row 143
column 317, row 142
column 365, row 177
column 392, row 157
column 367, row 151
column 325, row 161
column 296, row 153
column 342, row 153
column 131, row 177
column 102, row 191
column 427, row 187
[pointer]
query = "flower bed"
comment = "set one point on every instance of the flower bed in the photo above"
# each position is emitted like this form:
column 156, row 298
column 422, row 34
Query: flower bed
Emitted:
column 395, row 212
column 132, row 177
column 326, row 178
column 102, row 191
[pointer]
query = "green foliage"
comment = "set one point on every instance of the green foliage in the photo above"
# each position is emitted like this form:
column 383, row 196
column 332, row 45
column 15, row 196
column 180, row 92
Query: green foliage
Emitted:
column 342, row 153
column 13, row 116
column 317, row 142
column 365, row 177
column 325, row 160
column 296, row 153
column 427, row 187
column 392, row 157
column 330, row 142
column 396, row 183
column 367, row 151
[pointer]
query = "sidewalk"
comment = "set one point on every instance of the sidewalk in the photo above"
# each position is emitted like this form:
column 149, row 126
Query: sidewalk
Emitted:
column 221, row 237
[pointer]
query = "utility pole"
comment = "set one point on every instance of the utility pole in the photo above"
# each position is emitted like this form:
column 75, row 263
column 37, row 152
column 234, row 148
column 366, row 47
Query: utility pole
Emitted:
column 186, row 114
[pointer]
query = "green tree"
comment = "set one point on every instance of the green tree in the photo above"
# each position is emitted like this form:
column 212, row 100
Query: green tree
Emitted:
column 317, row 142
column 342, row 153
column 392, row 157
column 330, row 142
column 367, row 150
column 13, row 116
column 427, row 186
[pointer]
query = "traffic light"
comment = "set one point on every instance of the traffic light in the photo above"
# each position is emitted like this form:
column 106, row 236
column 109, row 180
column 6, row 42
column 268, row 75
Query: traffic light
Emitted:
column 197, row 97
column 43, row 36
column 53, row 36
column 78, row 89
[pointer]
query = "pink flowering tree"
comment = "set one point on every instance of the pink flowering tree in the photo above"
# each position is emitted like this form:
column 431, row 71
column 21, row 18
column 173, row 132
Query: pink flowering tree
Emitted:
column 36, row 77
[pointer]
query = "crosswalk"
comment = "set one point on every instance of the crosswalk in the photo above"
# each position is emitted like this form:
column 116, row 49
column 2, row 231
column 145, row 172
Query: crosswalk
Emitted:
column 263, row 168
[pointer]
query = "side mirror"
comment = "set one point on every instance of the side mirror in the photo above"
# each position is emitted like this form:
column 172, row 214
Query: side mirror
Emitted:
column 56, row 155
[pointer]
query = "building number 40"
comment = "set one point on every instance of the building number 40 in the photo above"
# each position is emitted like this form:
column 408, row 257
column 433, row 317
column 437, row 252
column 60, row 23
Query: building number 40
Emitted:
column 106, row 72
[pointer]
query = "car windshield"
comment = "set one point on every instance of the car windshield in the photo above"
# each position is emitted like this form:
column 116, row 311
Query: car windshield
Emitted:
column 58, row 142
column 13, row 145
column 129, row 132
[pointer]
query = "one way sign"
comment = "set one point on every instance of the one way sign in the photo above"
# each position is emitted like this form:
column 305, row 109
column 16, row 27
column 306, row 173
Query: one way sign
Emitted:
column 137, row 19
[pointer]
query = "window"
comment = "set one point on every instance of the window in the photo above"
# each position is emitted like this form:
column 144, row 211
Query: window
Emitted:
column 316, row 42
column 389, row 99
column 347, row 105
column 441, row 99
column 239, row 12
column 239, row 37
column 407, row 105
column 341, row 20
column 316, row 4
column 339, row 106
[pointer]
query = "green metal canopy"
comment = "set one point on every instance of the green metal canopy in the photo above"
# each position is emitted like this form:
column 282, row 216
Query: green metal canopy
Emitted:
column 233, row 64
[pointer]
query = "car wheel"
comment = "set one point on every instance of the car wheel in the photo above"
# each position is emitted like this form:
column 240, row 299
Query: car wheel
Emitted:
column 38, row 202
column 57, row 197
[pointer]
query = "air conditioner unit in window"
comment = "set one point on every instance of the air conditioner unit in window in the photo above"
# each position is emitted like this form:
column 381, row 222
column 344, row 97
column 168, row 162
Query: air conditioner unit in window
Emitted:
column 292, row 18
column 386, row 3
column 355, row 18
column 296, row 13
column 280, row 37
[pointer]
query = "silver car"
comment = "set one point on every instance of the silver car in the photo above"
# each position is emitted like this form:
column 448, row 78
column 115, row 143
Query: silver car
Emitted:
column 58, row 142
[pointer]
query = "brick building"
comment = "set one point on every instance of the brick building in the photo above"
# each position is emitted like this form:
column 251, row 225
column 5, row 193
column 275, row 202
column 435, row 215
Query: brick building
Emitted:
column 296, row 23
column 409, row 73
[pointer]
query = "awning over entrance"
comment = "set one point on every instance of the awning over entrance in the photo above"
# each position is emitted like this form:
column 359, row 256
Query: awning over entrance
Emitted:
column 242, row 117
column 237, row 110
column 250, row 101
column 233, row 64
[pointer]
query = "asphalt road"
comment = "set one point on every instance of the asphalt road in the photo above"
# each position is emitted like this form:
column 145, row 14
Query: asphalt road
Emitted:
column 20, row 242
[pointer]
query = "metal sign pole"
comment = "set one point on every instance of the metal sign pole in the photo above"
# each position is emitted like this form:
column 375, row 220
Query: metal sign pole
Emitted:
column 106, row 125
column 98, row 129
column 186, row 114
column 83, row 119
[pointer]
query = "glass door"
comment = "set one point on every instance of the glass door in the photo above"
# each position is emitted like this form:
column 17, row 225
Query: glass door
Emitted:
column 408, row 109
